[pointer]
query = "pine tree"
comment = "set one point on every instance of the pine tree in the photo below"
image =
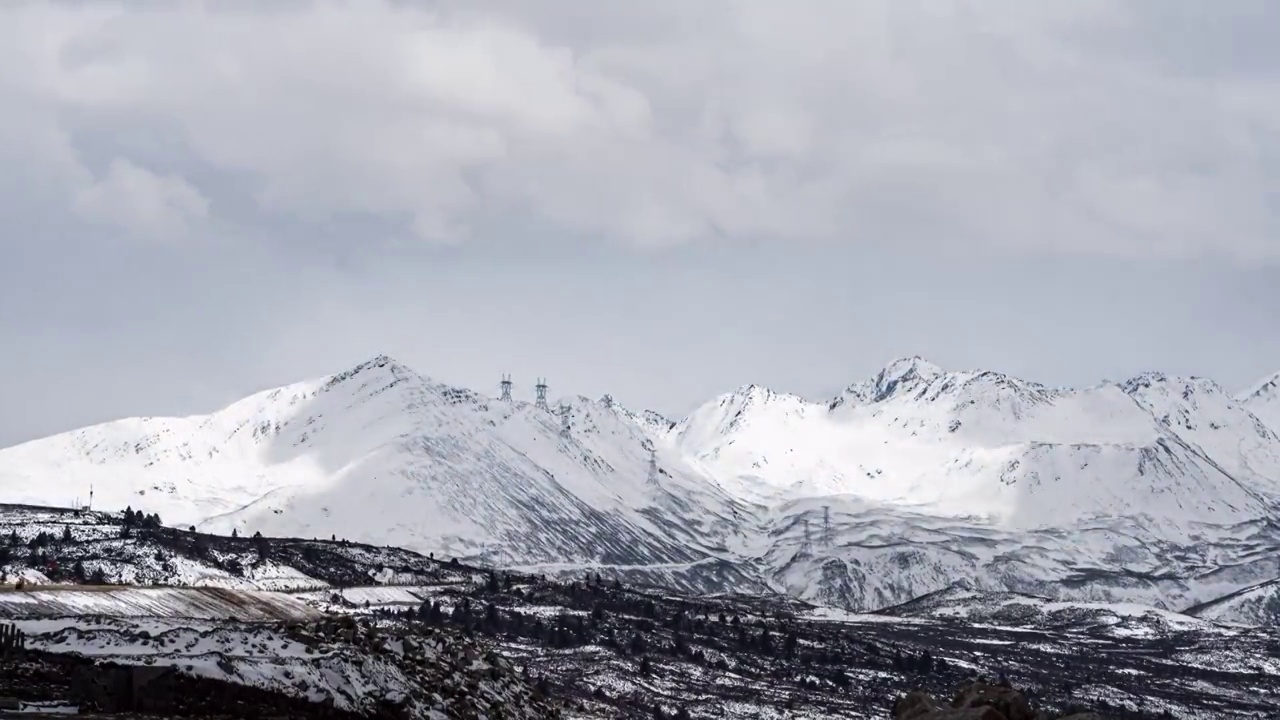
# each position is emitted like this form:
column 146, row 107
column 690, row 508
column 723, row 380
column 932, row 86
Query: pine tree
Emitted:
column 789, row 644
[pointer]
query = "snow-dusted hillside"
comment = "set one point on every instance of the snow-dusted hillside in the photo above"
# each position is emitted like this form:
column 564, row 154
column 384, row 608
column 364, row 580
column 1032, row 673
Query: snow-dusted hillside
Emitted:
column 1255, row 605
column 1158, row 490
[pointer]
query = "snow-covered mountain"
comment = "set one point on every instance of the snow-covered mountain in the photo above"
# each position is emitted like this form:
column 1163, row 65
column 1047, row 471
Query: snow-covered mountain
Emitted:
column 1160, row 490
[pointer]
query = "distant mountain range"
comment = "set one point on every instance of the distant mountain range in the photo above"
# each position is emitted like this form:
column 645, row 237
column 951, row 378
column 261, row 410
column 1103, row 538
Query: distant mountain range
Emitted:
column 1160, row 489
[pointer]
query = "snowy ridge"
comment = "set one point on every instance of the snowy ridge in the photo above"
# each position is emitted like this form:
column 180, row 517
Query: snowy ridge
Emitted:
column 972, row 444
column 1159, row 490
column 387, row 456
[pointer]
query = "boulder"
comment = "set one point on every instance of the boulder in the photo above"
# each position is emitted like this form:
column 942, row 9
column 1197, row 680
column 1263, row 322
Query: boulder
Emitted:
column 978, row 700
column 913, row 705
column 1010, row 702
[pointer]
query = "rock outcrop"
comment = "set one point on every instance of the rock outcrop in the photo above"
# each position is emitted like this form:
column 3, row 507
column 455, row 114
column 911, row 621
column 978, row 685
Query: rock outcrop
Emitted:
column 978, row 700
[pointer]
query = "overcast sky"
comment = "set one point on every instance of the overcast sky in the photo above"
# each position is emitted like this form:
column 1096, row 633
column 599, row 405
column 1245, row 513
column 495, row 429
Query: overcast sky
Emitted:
column 661, row 199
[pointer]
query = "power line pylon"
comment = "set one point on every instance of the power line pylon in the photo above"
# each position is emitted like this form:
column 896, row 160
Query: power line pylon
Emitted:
column 541, row 390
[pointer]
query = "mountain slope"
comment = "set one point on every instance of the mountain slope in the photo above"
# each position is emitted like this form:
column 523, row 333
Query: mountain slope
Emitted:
column 383, row 455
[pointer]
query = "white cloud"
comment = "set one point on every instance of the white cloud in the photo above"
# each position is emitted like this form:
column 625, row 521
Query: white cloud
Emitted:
column 1050, row 126
column 144, row 204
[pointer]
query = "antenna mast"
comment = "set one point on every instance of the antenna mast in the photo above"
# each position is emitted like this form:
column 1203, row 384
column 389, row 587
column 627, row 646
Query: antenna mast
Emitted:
column 506, row 387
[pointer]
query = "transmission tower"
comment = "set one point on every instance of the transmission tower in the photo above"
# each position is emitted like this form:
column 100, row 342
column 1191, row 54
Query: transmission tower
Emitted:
column 506, row 387
column 564, row 419
column 541, row 390
column 805, row 524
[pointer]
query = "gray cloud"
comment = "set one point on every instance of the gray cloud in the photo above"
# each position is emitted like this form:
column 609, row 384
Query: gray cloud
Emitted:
column 1117, row 128
column 661, row 200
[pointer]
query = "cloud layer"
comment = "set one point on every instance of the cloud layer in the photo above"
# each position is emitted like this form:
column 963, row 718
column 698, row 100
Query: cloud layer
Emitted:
column 1118, row 127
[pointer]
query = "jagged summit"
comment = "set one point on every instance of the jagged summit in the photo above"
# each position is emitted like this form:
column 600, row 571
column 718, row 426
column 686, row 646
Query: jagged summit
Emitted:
column 1186, row 385
column 903, row 375
column 913, row 365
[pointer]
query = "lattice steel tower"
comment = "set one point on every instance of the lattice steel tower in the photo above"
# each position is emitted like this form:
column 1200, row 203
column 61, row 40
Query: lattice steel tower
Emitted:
column 541, row 390
column 506, row 387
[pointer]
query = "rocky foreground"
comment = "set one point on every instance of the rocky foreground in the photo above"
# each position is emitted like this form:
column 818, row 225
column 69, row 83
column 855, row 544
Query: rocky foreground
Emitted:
column 502, row 646
column 325, row 628
column 980, row 700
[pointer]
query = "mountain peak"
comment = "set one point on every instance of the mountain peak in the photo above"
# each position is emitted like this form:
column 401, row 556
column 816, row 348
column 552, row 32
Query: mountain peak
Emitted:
column 380, row 369
column 912, row 365
column 381, row 360
column 752, row 391
column 1267, row 387
column 903, row 374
